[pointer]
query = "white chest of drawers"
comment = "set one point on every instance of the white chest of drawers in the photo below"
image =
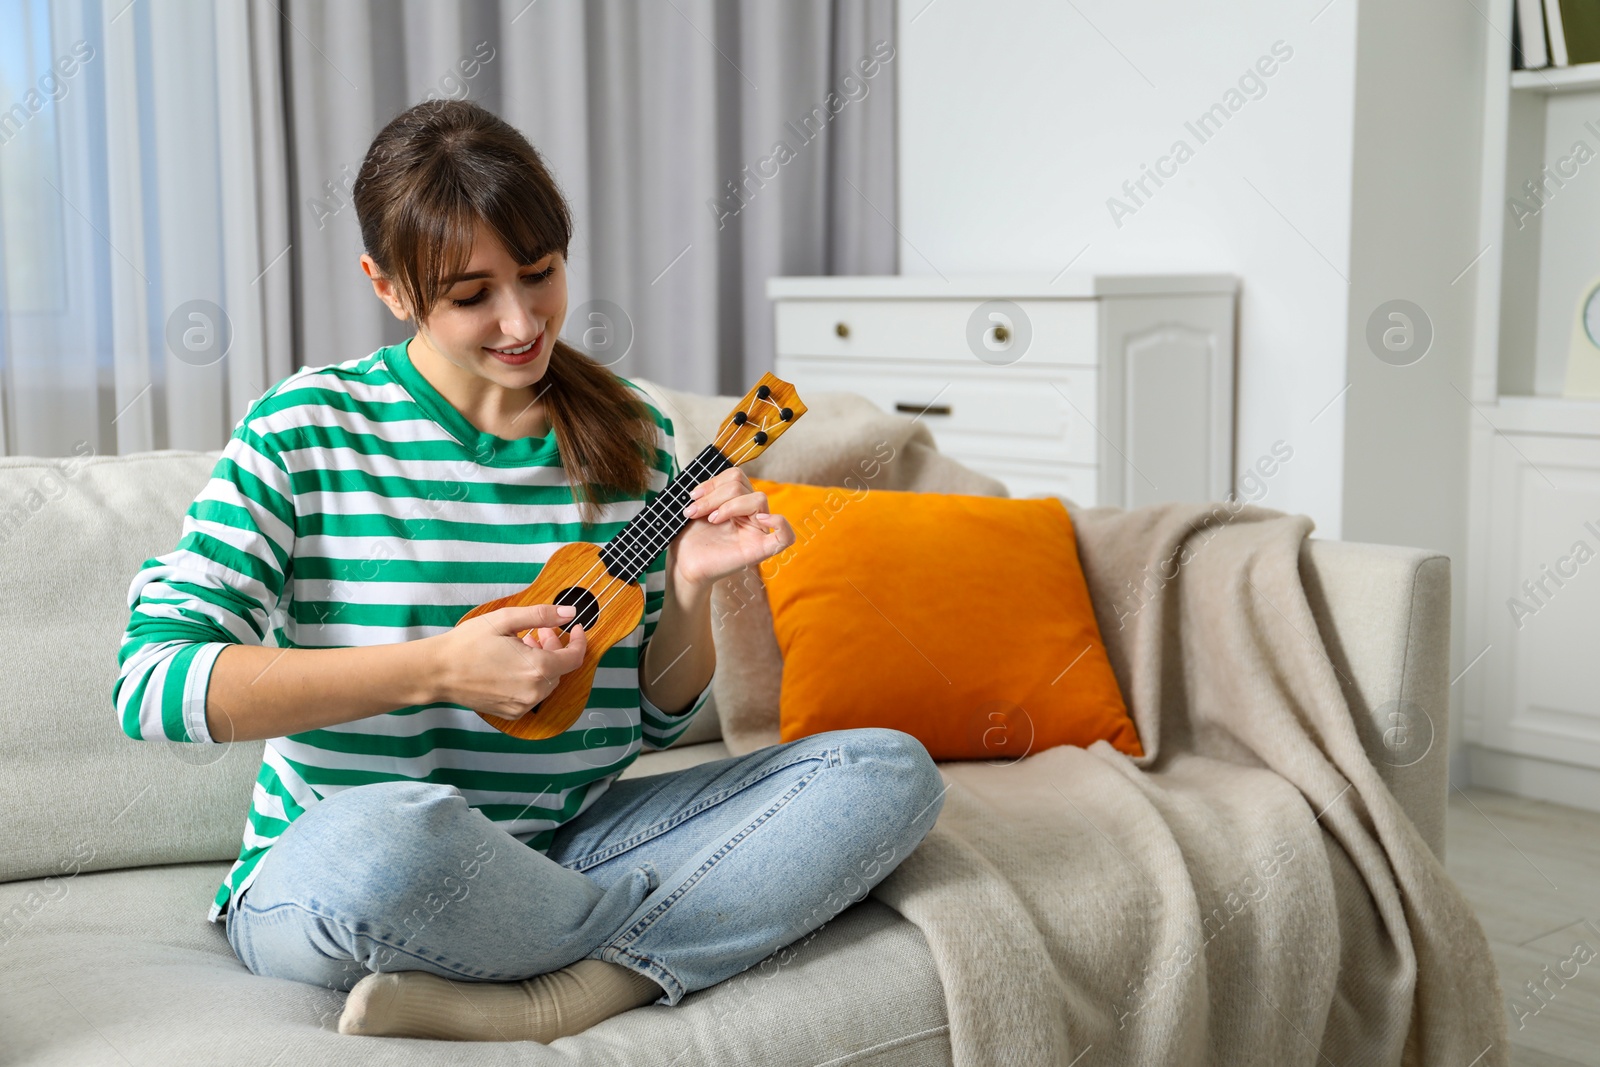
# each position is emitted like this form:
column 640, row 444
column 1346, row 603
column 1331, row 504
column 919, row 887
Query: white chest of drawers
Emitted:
column 1106, row 389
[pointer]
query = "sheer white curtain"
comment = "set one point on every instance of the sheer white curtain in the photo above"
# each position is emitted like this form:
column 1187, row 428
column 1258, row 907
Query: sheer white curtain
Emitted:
column 175, row 219
column 139, row 221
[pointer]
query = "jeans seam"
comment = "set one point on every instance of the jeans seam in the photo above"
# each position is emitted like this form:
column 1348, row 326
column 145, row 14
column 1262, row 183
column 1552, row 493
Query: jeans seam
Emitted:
column 233, row 929
column 830, row 757
column 445, row 961
column 639, row 928
column 675, row 988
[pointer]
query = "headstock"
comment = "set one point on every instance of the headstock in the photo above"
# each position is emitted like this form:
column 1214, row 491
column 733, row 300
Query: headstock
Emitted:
column 767, row 411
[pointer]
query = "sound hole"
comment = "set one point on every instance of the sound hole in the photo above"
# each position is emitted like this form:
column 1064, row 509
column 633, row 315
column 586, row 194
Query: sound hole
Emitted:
column 580, row 598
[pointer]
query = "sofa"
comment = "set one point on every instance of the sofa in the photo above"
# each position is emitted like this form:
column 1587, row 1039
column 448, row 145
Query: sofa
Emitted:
column 111, row 850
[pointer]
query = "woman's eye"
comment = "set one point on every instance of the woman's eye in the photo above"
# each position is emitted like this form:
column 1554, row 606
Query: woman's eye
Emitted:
column 530, row 279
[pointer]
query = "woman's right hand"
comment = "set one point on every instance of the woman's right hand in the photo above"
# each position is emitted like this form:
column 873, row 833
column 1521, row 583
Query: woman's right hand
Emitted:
column 486, row 667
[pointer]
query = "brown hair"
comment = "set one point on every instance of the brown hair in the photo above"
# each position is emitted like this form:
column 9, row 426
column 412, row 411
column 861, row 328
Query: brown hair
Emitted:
column 429, row 177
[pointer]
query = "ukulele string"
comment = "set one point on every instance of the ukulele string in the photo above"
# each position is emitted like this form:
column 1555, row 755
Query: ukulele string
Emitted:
column 736, row 460
column 585, row 576
column 601, row 605
column 763, row 400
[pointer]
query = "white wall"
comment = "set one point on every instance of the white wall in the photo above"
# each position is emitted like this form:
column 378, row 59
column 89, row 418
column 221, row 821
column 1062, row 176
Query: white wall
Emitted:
column 1351, row 180
column 1020, row 118
column 1417, row 167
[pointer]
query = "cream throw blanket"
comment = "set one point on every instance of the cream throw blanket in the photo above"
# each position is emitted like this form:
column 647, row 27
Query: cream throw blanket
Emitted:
column 1247, row 892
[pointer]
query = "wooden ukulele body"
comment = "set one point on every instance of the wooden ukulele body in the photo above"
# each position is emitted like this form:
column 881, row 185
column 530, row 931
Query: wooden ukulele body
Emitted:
column 609, row 610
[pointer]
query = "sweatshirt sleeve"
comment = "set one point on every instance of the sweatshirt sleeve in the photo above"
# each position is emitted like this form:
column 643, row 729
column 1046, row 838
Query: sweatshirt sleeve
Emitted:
column 660, row 730
column 220, row 586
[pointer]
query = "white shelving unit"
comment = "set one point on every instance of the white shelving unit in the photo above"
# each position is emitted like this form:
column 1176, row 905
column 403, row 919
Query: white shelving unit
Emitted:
column 1532, row 681
column 1581, row 78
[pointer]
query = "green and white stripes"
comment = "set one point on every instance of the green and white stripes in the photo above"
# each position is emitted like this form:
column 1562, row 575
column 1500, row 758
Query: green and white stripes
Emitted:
column 353, row 506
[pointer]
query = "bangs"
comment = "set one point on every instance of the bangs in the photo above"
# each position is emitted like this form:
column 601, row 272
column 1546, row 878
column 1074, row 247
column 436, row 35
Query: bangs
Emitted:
column 435, row 176
column 435, row 229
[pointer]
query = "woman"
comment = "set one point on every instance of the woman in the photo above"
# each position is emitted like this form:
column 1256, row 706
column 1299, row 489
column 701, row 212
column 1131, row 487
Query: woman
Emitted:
column 496, row 888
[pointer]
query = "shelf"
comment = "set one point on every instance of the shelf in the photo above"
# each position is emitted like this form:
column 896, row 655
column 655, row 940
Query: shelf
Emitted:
column 1558, row 79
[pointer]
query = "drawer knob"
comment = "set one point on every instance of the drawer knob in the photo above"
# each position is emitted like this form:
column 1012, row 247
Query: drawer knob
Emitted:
column 922, row 409
column 841, row 329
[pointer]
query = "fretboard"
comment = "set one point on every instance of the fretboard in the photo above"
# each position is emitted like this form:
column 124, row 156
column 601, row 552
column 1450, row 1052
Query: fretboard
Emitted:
column 649, row 532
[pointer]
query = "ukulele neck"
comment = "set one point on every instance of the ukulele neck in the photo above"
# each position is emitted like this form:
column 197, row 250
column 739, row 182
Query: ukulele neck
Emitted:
column 629, row 553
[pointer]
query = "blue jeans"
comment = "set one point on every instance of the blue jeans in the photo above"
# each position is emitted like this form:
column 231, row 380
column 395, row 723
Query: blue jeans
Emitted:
column 688, row 877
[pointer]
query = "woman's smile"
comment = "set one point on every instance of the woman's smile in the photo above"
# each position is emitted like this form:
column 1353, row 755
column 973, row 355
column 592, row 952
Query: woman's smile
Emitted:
column 521, row 354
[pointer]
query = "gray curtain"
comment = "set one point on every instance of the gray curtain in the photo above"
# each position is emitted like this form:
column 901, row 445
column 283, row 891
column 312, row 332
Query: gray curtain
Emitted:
column 704, row 145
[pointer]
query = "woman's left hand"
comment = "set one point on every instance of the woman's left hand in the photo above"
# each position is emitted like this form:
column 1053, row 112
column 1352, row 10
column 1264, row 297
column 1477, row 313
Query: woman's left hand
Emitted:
column 729, row 529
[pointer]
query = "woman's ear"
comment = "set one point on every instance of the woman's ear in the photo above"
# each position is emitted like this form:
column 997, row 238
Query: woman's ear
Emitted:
column 384, row 287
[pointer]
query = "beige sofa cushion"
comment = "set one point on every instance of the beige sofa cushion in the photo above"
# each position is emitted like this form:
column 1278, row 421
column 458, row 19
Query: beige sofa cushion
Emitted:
column 77, row 792
column 121, row 967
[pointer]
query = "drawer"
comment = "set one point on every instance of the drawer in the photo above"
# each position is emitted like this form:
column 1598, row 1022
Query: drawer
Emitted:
column 993, row 412
column 1077, row 483
column 1058, row 332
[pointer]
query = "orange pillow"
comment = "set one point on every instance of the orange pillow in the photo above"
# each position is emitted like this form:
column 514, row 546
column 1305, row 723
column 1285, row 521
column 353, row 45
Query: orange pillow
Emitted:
column 962, row 620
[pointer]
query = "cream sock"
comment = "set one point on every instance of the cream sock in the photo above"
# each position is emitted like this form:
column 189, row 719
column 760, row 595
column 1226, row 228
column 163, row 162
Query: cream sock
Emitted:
column 541, row 1008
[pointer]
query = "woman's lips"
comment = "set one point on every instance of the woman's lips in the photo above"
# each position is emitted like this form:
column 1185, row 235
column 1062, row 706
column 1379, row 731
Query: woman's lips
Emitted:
column 527, row 357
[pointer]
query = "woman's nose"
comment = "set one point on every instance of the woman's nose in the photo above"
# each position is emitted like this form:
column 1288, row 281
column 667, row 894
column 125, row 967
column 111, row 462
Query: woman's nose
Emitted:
column 522, row 319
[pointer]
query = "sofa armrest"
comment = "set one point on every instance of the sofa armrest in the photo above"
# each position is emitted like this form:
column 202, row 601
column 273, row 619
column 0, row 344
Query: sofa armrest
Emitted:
column 1384, row 616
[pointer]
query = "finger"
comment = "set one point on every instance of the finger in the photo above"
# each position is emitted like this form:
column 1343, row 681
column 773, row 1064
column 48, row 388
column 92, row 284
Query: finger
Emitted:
column 551, row 637
column 544, row 637
column 711, row 494
column 725, row 486
column 571, row 657
column 776, row 527
column 514, row 620
column 716, row 480
column 747, row 504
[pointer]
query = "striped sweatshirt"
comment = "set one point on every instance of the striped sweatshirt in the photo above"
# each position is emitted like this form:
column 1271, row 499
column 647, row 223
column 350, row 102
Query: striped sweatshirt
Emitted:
column 353, row 505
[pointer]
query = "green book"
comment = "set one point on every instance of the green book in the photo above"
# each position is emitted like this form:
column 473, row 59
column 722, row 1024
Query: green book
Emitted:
column 1580, row 25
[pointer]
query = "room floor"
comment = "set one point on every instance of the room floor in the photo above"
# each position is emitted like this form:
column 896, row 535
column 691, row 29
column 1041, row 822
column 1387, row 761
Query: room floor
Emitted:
column 1532, row 873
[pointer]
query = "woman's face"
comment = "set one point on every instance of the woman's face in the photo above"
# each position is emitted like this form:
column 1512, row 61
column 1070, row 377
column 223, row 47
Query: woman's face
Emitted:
column 498, row 319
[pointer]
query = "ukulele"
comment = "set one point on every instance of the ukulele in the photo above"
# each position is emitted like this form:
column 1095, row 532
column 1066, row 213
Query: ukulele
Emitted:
column 601, row 582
